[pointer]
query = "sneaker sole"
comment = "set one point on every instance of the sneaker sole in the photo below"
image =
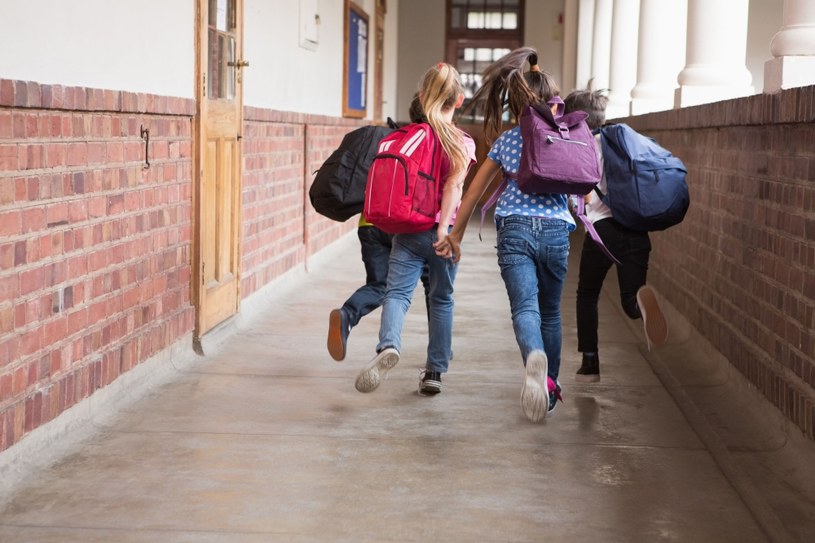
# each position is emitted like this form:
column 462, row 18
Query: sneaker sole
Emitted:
column 534, row 396
column 431, row 387
column 586, row 379
column 335, row 346
column 371, row 377
column 654, row 323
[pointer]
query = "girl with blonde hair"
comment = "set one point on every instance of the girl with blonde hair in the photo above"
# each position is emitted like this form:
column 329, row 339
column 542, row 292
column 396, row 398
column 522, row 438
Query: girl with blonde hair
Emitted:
column 440, row 93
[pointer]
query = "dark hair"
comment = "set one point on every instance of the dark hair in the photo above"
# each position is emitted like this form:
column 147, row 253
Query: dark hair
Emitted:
column 505, row 84
column 593, row 102
column 416, row 112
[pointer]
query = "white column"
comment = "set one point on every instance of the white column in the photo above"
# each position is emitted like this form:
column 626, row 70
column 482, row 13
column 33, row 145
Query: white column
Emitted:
column 585, row 37
column 661, row 54
column 569, row 81
column 601, row 44
column 793, row 48
column 623, row 67
column 717, row 46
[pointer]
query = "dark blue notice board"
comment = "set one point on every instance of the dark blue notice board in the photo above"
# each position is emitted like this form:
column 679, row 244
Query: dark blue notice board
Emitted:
column 356, row 80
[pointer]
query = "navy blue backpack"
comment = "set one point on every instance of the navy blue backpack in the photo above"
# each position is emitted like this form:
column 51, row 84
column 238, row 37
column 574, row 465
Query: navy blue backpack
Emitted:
column 645, row 184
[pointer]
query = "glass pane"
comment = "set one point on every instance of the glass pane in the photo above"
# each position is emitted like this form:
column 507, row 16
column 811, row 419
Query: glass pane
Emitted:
column 475, row 20
column 493, row 19
column 221, row 50
column 510, row 21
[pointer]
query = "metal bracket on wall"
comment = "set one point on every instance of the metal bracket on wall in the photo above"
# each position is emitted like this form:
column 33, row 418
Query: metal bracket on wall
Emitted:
column 145, row 134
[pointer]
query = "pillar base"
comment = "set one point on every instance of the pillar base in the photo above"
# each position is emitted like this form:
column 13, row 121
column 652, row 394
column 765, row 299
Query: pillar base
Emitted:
column 788, row 72
column 694, row 95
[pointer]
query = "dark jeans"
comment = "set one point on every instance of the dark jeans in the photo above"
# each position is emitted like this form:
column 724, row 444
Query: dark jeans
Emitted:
column 632, row 249
column 376, row 250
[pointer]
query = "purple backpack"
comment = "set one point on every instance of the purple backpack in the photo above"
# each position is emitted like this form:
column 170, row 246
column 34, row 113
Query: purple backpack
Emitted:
column 559, row 154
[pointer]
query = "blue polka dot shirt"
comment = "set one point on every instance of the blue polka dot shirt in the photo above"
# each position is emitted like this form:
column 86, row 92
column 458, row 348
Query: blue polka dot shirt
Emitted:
column 506, row 152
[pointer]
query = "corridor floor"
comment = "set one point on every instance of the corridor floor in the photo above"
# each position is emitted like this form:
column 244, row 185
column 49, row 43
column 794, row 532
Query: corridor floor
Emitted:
column 265, row 439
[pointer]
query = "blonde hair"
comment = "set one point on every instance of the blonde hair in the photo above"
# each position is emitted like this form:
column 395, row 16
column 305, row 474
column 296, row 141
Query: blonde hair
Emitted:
column 439, row 90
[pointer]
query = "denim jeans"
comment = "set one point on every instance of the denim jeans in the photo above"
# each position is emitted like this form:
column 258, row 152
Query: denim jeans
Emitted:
column 409, row 256
column 533, row 255
column 632, row 249
column 376, row 250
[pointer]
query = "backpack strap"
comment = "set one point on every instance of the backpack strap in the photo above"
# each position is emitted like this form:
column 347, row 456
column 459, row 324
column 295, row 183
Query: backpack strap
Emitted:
column 491, row 201
column 581, row 214
column 558, row 102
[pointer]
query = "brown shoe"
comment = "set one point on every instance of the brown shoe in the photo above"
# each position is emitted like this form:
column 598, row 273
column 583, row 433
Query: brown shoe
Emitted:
column 338, row 330
column 656, row 327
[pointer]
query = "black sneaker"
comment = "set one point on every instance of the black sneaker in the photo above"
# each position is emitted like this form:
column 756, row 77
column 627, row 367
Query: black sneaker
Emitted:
column 589, row 371
column 338, row 330
column 430, row 383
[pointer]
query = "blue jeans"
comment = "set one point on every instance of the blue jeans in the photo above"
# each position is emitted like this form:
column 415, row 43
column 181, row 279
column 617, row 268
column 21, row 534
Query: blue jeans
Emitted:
column 533, row 255
column 376, row 250
column 409, row 256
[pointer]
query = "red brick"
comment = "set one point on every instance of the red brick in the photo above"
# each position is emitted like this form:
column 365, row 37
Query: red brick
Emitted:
column 9, row 157
column 96, row 153
column 56, row 214
column 6, row 125
column 55, row 155
column 10, row 223
column 6, row 92
column 6, row 318
column 33, row 219
column 77, row 154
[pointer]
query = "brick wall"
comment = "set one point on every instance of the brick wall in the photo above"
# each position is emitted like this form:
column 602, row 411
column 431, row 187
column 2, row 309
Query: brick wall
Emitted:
column 94, row 248
column 281, row 150
column 741, row 267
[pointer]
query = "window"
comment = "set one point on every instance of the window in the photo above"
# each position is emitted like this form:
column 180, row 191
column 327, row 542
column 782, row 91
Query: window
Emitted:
column 480, row 32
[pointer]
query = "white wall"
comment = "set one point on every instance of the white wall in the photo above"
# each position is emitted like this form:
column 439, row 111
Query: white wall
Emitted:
column 544, row 32
column 145, row 46
column 282, row 75
column 391, row 68
column 421, row 45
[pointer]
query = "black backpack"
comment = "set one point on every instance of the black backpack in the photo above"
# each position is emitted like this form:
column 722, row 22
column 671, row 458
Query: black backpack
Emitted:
column 338, row 190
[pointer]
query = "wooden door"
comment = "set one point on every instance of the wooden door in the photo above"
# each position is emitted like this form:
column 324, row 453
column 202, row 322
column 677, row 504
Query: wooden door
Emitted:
column 217, row 202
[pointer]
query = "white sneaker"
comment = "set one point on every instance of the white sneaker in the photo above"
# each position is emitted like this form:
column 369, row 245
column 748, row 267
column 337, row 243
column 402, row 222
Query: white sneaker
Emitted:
column 653, row 321
column 534, row 394
column 369, row 378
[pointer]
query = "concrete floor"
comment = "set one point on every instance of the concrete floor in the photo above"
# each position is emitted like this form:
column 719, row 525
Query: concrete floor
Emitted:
column 265, row 439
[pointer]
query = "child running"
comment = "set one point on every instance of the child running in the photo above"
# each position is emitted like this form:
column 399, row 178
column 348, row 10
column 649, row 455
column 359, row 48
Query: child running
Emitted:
column 440, row 93
column 533, row 229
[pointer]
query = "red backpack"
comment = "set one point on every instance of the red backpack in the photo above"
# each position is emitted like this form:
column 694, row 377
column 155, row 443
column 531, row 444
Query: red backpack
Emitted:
column 403, row 192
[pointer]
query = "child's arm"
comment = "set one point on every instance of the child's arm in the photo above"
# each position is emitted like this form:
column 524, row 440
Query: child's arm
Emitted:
column 450, row 246
column 450, row 198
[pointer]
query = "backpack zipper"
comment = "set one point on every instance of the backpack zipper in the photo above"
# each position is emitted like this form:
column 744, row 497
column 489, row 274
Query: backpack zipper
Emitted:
column 553, row 139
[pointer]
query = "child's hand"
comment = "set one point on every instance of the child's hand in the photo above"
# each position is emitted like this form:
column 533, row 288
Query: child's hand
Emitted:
column 449, row 247
column 443, row 248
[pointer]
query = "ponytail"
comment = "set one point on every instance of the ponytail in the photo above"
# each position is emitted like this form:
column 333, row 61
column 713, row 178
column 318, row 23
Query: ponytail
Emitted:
column 440, row 90
column 505, row 85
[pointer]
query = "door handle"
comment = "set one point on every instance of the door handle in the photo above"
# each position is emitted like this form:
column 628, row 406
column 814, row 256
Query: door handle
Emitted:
column 238, row 64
